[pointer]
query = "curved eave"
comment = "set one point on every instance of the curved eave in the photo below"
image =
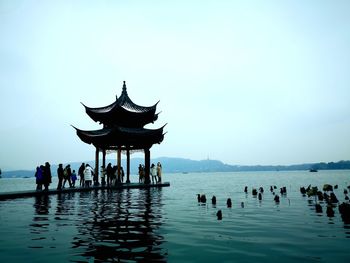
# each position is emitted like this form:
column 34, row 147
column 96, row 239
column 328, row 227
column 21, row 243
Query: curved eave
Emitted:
column 139, row 132
column 105, row 109
column 98, row 114
column 122, row 103
column 114, row 114
column 93, row 137
column 122, row 117
column 122, row 137
column 125, row 102
column 132, row 107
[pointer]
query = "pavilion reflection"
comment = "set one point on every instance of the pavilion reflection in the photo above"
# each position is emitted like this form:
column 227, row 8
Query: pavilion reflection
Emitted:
column 41, row 205
column 65, row 204
column 120, row 226
column 62, row 211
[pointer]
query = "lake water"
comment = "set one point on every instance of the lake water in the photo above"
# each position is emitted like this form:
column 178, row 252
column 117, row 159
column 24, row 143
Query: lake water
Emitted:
column 169, row 225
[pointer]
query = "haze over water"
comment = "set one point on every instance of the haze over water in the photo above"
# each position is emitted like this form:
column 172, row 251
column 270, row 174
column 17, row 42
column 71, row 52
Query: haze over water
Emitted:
column 244, row 82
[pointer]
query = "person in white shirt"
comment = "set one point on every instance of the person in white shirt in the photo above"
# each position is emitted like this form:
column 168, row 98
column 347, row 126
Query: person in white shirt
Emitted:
column 88, row 175
column 154, row 173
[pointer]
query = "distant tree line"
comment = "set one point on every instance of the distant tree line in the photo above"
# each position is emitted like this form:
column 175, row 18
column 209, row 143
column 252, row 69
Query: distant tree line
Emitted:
column 331, row 165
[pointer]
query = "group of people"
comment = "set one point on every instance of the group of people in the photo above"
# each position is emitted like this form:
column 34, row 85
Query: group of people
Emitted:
column 155, row 173
column 64, row 175
column 85, row 172
column 109, row 175
column 86, row 175
column 43, row 177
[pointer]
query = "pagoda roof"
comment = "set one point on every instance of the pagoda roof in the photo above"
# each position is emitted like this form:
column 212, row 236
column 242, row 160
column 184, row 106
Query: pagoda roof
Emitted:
column 123, row 112
column 122, row 137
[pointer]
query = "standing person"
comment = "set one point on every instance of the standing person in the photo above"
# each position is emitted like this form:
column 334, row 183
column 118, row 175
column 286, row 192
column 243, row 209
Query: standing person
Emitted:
column 39, row 178
column 109, row 172
column 81, row 174
column 122, row 174
column 47, row 176
column 60, row 175
column 88, row 174
column 141, row 173
column 42, row 169
column 67, row 172
column 153, row 173
column 73, row 178
column 159, row 172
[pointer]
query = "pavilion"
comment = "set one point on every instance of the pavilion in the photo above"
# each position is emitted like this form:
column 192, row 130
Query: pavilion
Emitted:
column 123, row 131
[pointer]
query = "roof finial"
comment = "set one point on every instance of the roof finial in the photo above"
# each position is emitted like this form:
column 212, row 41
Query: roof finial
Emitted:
column 124, row 86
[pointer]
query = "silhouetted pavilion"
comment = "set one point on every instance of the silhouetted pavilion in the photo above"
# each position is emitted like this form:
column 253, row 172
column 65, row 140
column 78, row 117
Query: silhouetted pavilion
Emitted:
column 123, row 130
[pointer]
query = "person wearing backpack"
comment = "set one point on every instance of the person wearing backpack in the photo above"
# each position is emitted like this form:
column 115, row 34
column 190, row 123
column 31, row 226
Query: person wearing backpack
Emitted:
column 67, row 173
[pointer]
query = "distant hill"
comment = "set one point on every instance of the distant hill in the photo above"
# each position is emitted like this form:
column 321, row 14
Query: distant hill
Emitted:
column 17, row 173
column 181, row 165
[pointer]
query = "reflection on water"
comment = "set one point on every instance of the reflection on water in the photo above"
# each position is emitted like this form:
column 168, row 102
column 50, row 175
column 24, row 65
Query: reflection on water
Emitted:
column 109, row 225
column 40, row 220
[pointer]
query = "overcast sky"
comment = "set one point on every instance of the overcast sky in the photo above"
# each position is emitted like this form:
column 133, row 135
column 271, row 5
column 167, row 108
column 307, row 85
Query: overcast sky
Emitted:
column 244, row 82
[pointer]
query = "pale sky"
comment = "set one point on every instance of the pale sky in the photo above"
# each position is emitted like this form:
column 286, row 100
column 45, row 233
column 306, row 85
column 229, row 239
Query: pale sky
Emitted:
column 244, row 82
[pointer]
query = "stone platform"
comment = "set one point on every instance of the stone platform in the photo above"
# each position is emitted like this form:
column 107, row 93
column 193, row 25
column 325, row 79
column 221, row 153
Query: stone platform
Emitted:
column 20, row 194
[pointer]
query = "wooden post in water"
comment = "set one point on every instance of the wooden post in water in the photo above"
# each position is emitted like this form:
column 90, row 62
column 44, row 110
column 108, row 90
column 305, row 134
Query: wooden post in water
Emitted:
column 119, row 163
column 147, row 165
column 96, row 167
column 127, row 166
column 104, row 158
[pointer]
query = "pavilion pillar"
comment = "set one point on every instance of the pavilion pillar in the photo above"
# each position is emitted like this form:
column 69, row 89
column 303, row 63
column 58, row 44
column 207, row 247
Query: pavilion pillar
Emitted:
column 104, row 158
column 127, row 166
column 96, row 167
column 147, row 165
column 119, row 163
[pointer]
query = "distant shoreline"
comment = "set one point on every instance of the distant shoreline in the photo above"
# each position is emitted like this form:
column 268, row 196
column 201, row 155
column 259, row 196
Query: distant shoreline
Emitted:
column 182, row 165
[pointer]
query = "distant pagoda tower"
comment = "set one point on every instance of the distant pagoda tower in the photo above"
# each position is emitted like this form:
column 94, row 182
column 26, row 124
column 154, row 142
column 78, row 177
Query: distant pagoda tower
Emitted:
column 123, row 130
